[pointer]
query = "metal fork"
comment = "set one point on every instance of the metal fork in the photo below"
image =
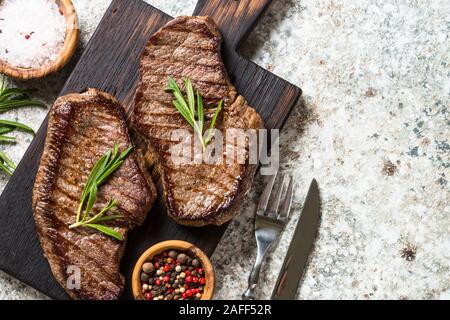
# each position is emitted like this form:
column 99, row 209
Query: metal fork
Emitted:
column 268, row 226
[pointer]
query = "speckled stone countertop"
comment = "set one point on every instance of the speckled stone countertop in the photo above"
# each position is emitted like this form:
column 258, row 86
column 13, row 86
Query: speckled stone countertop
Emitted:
column 372, row 128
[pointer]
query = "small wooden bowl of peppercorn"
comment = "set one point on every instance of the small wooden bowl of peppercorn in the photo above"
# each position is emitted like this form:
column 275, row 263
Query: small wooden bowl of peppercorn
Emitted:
column 67, row 50
column 173, row 270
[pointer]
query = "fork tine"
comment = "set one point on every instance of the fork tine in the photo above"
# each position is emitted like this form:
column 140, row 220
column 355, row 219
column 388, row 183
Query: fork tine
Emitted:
column 264, row 198
column 274, row 207
column 286, row 206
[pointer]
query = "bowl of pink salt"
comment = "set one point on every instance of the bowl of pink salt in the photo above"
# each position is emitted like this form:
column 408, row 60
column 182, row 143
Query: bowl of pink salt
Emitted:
column 36, row 37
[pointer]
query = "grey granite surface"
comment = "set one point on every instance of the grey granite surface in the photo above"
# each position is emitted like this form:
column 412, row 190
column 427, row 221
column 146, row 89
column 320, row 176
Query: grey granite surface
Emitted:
column 372, row 128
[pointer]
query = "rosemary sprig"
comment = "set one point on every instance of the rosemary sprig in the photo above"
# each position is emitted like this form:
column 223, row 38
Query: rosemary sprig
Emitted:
column 188, row 110
column 102, row 170
column 6, row 164
column 9, row 126
column 12, row 98
column 7, row 139
column 6, row 127
column 94, row 222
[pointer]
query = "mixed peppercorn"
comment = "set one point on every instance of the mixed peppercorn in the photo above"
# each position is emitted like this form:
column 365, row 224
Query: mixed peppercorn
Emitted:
column 172, row 275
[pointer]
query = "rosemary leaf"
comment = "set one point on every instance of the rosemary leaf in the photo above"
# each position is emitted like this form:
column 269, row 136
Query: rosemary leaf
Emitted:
column 101, row 215
column 7, row 139
column 125, row 153
column 10, row 104
column 96, row 170
column 91, row 200
column 6, row 163
column 200, row 112
column 177, row 93
column 6, row 168
column 7, row 160
column 190, row 95
column 11, row 98
column 15, row 97
column 4, row 130
column 213, row 122
column 102, row 170
column 185, row 113
column 14, row 92
column 187, row 109
column 106, row 230
column 109, row 217
column 114, row 164
column 17, row 125
column 112, row 159
column 110, row 171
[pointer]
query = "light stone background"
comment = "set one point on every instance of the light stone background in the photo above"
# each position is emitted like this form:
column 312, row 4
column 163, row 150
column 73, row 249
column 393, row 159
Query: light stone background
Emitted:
column 372, row 128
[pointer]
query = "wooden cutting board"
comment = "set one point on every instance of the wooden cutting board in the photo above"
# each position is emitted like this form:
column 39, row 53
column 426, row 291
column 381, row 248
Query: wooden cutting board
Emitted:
column 110, row 63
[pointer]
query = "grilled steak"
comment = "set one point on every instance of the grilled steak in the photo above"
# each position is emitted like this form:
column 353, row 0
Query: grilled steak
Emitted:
column 82, row 127
column 195, row 194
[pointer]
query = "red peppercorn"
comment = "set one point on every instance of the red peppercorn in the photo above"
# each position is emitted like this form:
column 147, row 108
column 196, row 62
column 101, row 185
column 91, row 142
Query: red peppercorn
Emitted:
column 187, row 273
column 194, row 279
column 27, row 36
column 188, row 279
column 200, row 270
column 148, row 296
column 156, row 265
column 158, row 282
column 202, row 281
column 166, row 279
column 166, row 268
column 186, row 286
column 189, row 293
column 184, row 295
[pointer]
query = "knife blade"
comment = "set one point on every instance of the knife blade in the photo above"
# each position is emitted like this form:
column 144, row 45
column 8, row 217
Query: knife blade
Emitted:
column 299, row 249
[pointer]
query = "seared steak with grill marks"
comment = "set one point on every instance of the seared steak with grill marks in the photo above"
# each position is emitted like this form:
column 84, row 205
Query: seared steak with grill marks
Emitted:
column 82, row 127
column 189, row 47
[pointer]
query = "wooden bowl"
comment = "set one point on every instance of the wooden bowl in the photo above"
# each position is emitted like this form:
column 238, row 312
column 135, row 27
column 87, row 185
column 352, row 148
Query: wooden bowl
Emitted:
column 64, row 55
column 181, row 246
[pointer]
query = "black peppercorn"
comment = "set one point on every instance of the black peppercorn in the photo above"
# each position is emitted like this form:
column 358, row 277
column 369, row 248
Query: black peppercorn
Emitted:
column 144, row 277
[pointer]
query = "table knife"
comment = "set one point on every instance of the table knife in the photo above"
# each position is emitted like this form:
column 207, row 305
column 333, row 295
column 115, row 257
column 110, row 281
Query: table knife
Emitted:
column 299, row 249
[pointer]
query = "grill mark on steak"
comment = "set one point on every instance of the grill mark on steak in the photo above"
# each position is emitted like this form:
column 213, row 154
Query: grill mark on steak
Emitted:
column 199, row 175
column 169, row 57
column 190, row 47
column 212, row 92
column 82, row 127
column 190, row 73
column 84, row 254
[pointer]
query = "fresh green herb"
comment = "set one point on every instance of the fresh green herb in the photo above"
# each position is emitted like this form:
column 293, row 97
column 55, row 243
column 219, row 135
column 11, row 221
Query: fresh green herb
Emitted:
column 12, row 98
column 213, row 122
column 7, row 126
column 7, row 139
column 187, row 109
column 6, row 163
column 94, row 222
column 11, row 125
column 102, row 170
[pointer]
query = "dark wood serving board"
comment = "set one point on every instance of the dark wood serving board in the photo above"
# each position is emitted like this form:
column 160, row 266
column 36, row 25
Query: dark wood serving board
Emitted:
column 110, row 63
